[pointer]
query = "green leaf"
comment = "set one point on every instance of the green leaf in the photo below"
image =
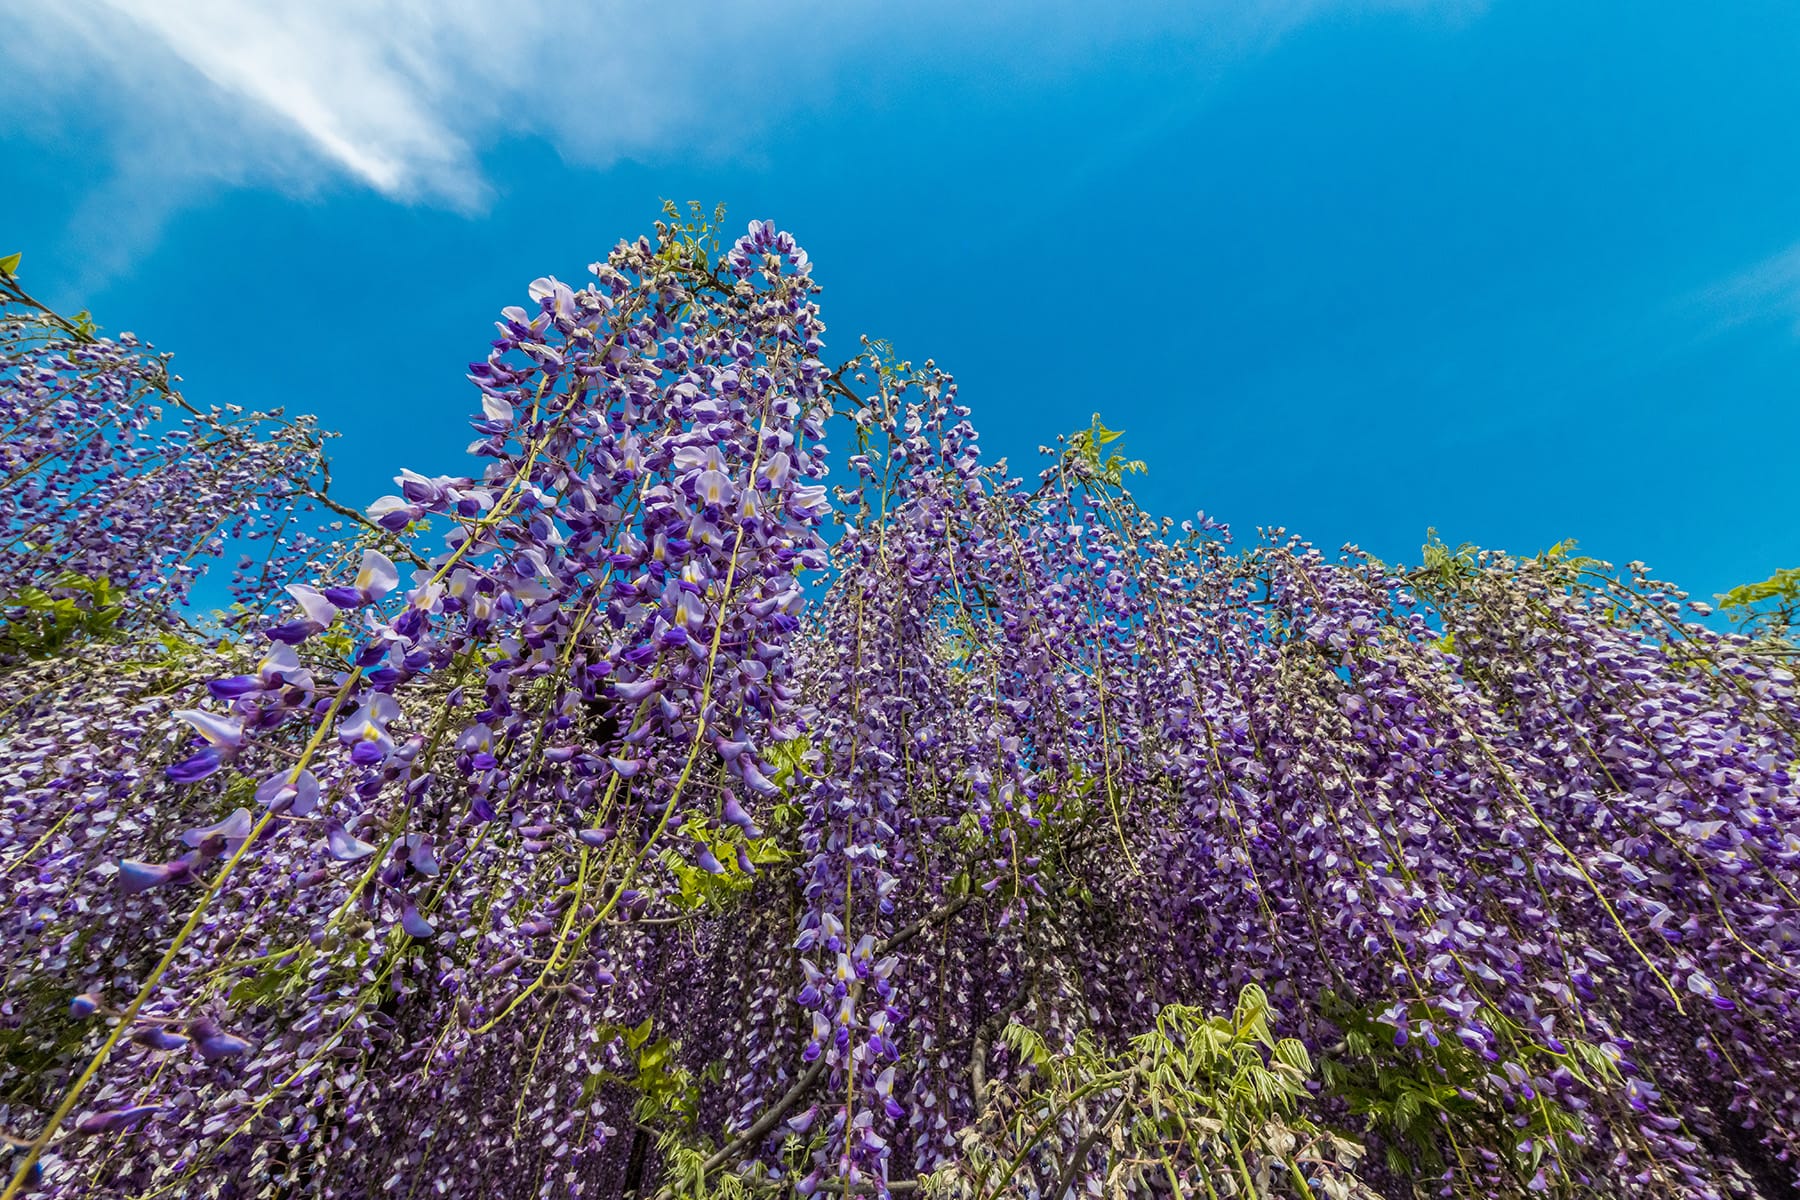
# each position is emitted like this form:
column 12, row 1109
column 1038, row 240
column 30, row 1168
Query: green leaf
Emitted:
column 1252, row 1007
column 788, row 760
column 10, row 264
column 1084, row 449
column 1785, row 582
column 1292, row 1052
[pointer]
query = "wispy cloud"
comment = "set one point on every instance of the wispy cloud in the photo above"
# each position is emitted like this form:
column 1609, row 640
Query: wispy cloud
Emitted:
column 1768, row 290
column 404, row 96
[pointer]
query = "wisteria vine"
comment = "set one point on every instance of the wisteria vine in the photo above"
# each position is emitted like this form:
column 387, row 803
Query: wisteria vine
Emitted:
column 642, row 814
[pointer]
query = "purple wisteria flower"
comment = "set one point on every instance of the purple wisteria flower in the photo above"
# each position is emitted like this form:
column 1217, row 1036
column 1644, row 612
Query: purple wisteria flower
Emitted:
column 663, row 793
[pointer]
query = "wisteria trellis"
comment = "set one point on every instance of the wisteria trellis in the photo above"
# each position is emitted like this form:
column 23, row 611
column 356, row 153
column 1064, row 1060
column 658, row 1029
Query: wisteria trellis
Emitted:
column 635, row 817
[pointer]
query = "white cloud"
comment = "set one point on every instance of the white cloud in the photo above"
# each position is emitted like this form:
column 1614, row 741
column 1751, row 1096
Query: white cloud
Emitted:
column 399, row 95
column 404, row 96
column 342, row 86
column 1765, row 290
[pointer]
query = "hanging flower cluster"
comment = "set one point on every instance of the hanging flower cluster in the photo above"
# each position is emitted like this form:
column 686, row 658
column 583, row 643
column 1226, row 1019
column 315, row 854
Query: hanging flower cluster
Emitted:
column 600, row 827
column 116, row 493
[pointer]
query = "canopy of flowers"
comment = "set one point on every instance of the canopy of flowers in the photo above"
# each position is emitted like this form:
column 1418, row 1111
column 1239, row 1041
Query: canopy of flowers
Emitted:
column 736, row 785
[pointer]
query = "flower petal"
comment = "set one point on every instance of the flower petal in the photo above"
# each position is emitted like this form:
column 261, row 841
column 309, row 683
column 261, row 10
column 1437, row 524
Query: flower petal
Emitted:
column 378, row 576
column 221, row 731
column 312, row 601
column 344, row 846
column 415, row 924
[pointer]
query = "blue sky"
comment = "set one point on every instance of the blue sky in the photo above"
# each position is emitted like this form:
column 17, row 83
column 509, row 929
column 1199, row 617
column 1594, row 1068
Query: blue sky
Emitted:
column 1518, row 270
